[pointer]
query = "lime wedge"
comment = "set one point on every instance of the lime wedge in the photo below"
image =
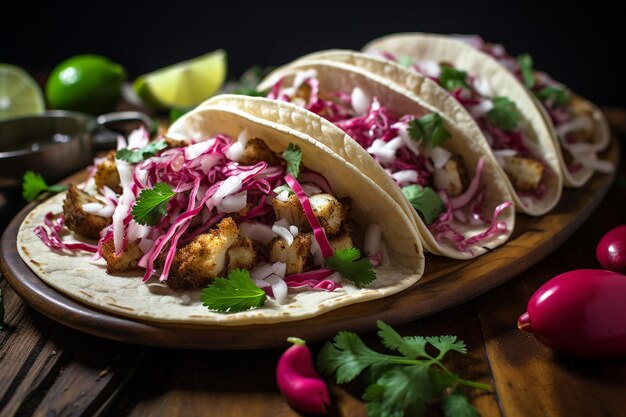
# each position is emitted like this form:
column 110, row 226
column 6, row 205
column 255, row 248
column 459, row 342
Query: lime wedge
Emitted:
column 20, row 95
column 185, row 84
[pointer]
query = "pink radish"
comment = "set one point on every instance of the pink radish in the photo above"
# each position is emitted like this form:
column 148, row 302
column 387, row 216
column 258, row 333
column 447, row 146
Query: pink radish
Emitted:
column 611, row 250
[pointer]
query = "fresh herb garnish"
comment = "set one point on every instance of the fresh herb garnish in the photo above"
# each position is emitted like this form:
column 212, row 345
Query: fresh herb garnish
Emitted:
column 137, row 155
column 557, row 96
column 246, row 85
column 504, row 114
column 525, row 62
column 233, row 294
column 348, row 264
column 451, row 78
column 401, row 384
column 281, row 188
column 293, row 156
column 33, row 184
column 406, row 61
column 151, row 205
column 429, row 129
column 425, row 200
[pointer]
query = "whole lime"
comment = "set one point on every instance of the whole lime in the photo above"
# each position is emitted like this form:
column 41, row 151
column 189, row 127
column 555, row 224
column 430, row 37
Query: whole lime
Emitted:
column 88, row 83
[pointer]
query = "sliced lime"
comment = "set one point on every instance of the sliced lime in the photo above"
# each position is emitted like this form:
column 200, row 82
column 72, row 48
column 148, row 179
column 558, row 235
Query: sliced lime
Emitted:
column 185, row 84
column 20, row 95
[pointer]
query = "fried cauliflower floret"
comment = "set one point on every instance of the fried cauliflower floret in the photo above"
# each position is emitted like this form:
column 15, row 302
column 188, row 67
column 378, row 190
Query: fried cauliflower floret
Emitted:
column 341, row 241
column 256, row 151
column 211, row 255
column 175, row 143
column 585, row 133
column 294, row 255
column 524, row 173
column 452, row 177
column 79, row 221
column 330, row 212
column 106, row 174
column 127, row 259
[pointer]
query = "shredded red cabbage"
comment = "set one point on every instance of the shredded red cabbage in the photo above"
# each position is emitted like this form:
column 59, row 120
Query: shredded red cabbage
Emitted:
column 54, row 241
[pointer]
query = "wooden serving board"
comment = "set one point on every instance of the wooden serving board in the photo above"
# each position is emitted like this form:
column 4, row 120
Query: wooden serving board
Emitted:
column 445, row 283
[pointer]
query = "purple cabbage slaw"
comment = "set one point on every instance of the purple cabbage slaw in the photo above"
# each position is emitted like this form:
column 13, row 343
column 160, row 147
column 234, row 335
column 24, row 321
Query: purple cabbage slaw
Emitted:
column 378, row 128
column 203, row 176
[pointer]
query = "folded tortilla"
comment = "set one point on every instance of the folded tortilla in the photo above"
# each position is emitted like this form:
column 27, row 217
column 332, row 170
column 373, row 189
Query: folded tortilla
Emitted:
column 420, row 46
column 80, row 277
column 337, row 76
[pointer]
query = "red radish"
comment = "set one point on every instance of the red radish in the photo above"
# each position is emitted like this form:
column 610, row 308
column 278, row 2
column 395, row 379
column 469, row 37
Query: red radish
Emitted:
column 611, row 250
column 581, row 313
column 298, row 381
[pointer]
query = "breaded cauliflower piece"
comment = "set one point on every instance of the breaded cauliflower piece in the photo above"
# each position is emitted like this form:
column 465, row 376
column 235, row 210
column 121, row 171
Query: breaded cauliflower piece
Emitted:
column 79, row 221
column 453, row 179
column 524, row 173
column 256, row 151
column 330, row 212
column 106, row 174
column 211, row 255
column 175, row 143
column 126, row 261
column 294, row 255
column 341, row 241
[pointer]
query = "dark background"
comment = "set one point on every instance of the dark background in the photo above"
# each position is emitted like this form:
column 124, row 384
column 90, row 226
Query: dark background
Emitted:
column 582, row 46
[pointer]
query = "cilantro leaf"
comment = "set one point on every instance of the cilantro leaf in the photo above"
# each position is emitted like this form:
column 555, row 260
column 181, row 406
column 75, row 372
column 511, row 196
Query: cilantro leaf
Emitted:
column 456, row 405
column 504, row 114
column 557, row 96
column 429, row 129
column 406, row 61
column 348, row 357
column 348, row 264
column 402, row 391
column 293, row 156
column 444, row 344
column 425, row 200
column 411, row 347
column 525, row 62
column 137, row 155
column 233, row 294
column 33, row 184
column 451, row 78
column 151, row 205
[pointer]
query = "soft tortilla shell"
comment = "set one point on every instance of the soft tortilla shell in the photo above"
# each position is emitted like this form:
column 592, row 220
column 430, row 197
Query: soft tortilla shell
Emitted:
column 78, row 276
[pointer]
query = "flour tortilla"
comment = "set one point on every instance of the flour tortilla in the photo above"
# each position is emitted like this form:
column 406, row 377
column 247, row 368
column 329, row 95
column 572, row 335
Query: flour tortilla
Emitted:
column 337, row 76
column 78, row 276
column 427, row 90
column 422, row 46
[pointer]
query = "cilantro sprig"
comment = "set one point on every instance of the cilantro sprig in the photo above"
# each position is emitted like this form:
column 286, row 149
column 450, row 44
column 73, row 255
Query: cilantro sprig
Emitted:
column 451, row 78
column 400, row 384
column 525, row 62
column 293, row 156
column 151, row 205
column 347, row 263
column 137, row 155
column 429, row 129
column 33, row 184
column 504, row 114
column 555, row 95
column 425, row 201
column 233, row 294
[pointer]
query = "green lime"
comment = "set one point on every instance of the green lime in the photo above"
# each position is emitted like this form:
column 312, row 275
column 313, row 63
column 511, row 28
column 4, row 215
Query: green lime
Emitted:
column 19, row 93
column 87, row 83
column 185, row 84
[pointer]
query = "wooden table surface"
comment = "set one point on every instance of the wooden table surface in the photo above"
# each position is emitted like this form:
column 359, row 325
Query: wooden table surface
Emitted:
column 47, row 369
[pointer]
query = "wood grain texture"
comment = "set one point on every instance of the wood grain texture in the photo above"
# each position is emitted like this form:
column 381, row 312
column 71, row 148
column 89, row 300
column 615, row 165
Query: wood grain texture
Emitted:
column 446, row 283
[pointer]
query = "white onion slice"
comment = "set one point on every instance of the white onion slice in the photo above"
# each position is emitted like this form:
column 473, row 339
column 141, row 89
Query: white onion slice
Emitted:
column 293, row 230
column 227, row 187
column 197, row 149
column 283, row 195
column 429, row 68
column 92, row 208
column 138, row 138
column 258, row 232
column 233, row 203
column 234, row 151
column 284, row 233
column 574, row 125
column 440, row 156
column 118, row 226
column 407, row 176
column 372, row 240
column 360, row 101
column 279, row 288
column 481, row 108
column 243, row 137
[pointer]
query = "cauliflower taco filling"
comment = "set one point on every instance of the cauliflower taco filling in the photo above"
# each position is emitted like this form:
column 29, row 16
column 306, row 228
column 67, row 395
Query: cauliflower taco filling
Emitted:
column 497, row 117
column 409, row 148
column 194, row 212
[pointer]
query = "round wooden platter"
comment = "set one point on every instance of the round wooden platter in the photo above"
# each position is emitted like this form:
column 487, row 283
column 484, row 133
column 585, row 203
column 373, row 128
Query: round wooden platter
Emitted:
column 446, row 283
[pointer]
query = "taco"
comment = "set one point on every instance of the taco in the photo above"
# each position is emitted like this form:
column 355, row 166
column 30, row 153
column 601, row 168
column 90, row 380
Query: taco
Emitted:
column 577, row 127
column 530, row 167
column 456, row 195
column 223, row 194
